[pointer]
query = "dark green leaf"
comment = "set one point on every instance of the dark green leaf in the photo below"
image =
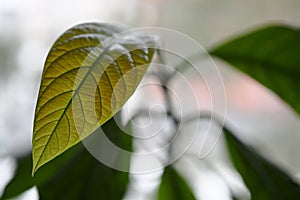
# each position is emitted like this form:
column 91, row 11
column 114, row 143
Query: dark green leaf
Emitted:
column 174, row 187
column 234, row 198
column 73, row 175
column 265, row 180
column 271, row 56
column 22, row 180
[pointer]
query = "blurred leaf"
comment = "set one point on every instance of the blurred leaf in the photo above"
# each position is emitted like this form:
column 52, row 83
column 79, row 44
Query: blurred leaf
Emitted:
column 264, row 180
column 234, row 198
column 73, row 175
column 271, row 56
column 22, row 180
column 174, row 187
column 89, row 74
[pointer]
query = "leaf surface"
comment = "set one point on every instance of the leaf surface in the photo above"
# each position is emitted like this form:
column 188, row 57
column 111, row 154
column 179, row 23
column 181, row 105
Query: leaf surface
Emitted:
column 174, row 187
column 73, row 175
column 90, row 72
column 265, row 180
column 271, row 56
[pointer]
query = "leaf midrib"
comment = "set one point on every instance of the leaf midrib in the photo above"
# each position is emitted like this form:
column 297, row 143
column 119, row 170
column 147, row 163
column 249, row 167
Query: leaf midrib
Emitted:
column 75, row 92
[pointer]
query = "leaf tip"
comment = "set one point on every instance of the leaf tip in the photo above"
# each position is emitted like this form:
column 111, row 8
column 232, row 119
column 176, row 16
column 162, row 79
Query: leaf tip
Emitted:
column 35, row 165
column 34, row 169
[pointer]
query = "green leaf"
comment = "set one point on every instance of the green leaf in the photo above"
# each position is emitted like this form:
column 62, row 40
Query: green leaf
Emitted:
column 73, row 175
column 271, row 56
column 264, row 180
column 234, row 198
column 174, row 187
column 90, row 72
column 86, row 178
column 22, row 180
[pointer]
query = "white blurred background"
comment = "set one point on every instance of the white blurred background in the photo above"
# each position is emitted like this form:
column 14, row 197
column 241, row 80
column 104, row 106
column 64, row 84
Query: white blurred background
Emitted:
column 28, row 29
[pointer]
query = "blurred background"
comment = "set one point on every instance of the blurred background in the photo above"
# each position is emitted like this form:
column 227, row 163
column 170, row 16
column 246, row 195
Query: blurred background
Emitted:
column 29, row 28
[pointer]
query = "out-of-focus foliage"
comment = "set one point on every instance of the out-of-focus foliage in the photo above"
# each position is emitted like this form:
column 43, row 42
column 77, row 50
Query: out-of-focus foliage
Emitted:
column 174, row 187
column 271, row 56
column 264, row 179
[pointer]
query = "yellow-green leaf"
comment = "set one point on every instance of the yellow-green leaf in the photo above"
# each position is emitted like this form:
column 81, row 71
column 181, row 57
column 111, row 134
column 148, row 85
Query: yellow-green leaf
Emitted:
column 90, row 72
